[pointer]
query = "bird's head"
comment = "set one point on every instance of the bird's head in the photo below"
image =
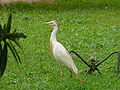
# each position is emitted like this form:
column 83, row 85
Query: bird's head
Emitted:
column 52, row 23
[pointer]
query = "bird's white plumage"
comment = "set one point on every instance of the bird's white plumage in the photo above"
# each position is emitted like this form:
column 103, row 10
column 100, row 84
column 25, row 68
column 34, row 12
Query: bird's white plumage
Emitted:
column 62, row 56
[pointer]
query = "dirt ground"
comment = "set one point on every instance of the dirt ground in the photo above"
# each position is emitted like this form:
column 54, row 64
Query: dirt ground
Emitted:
column 7, row 1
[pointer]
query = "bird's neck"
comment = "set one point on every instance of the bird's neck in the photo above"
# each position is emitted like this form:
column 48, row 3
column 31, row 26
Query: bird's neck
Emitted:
column 53, row 35
column 53, row 39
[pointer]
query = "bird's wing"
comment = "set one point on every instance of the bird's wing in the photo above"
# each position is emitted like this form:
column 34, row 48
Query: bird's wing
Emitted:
column 63, row 56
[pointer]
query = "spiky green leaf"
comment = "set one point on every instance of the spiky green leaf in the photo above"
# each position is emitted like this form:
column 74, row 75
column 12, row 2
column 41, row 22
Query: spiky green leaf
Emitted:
column 17, row 55
column 8, row 38
column 9, row 23
column 22, row 35
column 15, row 31
column 14, row 36
column 0, row 30
column 13, row 52
column 0, row 51
column 4, row 28
column 18, row 44
column 3, row 61
column 0, row 60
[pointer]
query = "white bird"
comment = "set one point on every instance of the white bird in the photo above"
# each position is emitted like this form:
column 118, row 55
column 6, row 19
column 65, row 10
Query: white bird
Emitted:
column 61, row 55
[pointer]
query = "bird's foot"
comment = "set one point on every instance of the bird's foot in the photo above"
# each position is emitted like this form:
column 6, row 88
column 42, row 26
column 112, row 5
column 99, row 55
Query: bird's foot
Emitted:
column 82, row 81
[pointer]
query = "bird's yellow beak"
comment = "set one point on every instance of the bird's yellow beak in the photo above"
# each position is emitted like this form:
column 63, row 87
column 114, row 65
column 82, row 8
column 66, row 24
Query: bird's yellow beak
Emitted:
column 46, row 23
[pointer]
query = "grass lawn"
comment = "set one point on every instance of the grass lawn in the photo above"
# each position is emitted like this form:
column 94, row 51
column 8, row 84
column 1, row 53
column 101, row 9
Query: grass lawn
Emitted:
column 92, row 28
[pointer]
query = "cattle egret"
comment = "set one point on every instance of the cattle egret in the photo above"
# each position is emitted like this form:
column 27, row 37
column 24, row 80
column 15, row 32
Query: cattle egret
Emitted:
column 61, row 55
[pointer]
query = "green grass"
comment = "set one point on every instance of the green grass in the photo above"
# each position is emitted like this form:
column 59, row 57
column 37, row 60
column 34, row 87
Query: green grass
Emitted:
column 90, row 28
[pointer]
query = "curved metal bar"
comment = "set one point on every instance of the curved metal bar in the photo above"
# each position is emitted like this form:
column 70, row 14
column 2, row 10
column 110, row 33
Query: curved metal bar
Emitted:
column 118, row 67
column 106, row 58
column 98, row 71
column 80, row 57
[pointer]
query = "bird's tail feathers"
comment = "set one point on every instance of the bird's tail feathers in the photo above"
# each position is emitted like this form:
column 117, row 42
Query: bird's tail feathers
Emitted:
column 75, row 70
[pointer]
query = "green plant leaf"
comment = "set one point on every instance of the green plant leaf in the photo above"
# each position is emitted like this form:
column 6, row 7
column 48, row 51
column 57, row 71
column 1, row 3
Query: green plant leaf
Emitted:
column 12, row 51
column 4, row 28
column 3, row 61
column 8, row 39
column 0, row 30
column 22, row 35
column 15, row 51
column 9, row 23
column 14, row 36
column 0, row 51
column 18, row 44
column 15, row 31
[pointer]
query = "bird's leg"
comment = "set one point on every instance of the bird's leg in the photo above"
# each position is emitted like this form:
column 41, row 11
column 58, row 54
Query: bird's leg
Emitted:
column 78, row 77
column 61, row 75
column 70, row 73
column 60, row 72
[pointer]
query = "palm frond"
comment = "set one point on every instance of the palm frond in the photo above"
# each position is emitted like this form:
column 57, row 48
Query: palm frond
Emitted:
column 0, row 58
column 0, row 52
column 3, row 61
column 0, row 31
column 13, row 52
column 9, row 23
column 18, row 44
column 14, row 36
column 8, row 38
column 17, row 55
column 15, row 31
column 4, row 28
